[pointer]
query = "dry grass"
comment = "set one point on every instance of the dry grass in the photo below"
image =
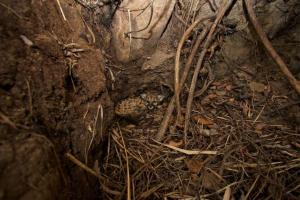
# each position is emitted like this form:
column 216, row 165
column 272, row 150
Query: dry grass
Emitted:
column 253, row 164
column 233, row 147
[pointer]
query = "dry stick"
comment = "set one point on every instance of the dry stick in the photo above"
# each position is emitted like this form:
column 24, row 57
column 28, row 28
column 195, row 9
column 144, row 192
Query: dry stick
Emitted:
column 251, row 188
column 6, row 120
column 269, row 47
column 168, row 114
column 177, row 63
column 11, row 10
column 127, row 168
column 92, row 172
column 29, row 96
column 61, row 10
column 221, row 13
column 80, row 164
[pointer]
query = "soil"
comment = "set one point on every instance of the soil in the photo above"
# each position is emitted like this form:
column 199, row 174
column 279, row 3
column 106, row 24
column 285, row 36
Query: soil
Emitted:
column 47, row 90
column 59, row 84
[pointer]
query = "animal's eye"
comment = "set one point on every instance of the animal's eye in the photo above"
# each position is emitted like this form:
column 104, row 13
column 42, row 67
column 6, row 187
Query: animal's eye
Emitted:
column 150, row 107
column 155, row 103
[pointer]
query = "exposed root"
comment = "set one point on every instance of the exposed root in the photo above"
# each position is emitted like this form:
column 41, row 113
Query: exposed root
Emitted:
column 187, row 67
column 269, row 47
column 226, row 5
column 177, row 62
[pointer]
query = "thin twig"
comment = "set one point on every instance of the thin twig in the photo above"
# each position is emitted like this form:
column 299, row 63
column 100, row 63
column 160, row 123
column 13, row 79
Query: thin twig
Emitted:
column 94, row 131
column 146, row 26
column 220, row 190
column 127, row 169
column 80, row 164
column 221, row 13
column 6, row 120
column 269, row 47
column 29, row 96
column 11, row 10
column 130, row 29
column 189, row 152
column 61, row 10
column 251, row 188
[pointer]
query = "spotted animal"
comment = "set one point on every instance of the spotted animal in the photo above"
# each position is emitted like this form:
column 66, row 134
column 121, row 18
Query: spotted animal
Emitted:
column 135, row 107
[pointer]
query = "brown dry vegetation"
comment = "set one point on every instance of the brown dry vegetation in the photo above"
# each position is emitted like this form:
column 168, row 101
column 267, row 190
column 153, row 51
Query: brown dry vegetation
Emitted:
column 233, row 135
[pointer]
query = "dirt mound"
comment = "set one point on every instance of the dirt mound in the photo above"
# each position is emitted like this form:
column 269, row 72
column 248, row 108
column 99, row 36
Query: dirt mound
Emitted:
column 30, row 167
column 50, row 84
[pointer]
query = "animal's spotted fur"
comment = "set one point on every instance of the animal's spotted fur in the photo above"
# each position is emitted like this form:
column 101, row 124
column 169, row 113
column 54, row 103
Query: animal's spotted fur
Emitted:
column 134, row 107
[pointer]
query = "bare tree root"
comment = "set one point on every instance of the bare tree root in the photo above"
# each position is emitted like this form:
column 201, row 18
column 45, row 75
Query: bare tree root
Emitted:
column 269, row 47
column 171, row 106
column 177, row 61
column 226, row 5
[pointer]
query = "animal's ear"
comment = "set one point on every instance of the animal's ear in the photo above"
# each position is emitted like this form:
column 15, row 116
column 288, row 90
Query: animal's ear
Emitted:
column 161, row 97
column 143, row 96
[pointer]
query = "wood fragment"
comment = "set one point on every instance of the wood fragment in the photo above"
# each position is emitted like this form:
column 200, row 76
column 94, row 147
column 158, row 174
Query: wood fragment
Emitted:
column 26, row 40
column 227, row 193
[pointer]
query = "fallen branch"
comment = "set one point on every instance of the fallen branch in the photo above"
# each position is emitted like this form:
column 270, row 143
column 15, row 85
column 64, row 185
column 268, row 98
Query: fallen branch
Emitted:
column 269, row 47
column 226, row 5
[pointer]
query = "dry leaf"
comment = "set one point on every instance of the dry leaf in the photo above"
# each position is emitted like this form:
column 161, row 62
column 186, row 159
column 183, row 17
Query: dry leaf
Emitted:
column 194, row 166
column 259, row 127
column 201, row 120
column 175, row 143
column 228, row 87
column 257, row 87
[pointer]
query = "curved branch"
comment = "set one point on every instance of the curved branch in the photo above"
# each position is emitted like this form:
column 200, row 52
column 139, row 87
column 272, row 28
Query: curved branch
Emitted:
column 177, row 60
column 269, row 47
column 226, row 5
